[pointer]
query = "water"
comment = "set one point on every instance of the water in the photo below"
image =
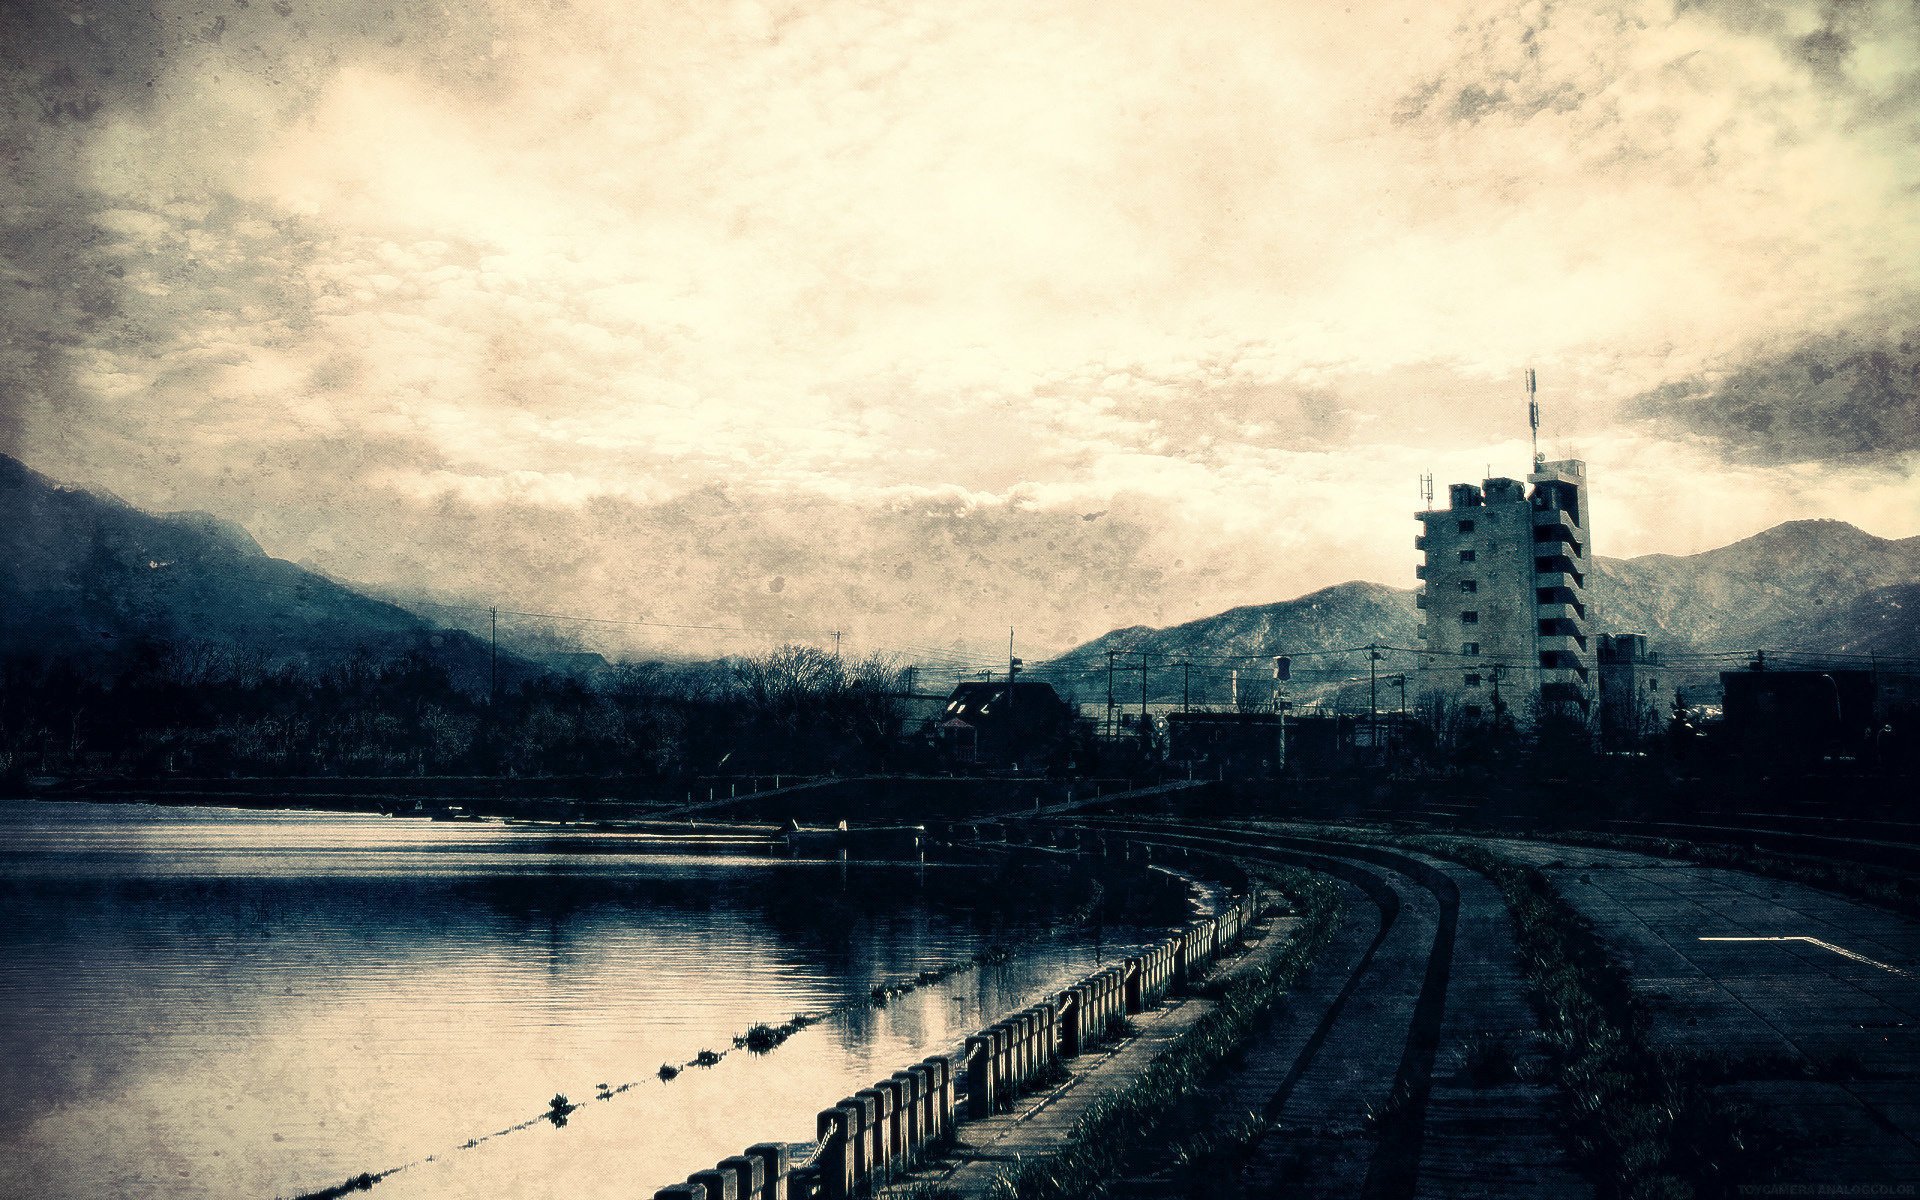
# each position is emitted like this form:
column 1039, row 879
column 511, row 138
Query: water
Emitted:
column 217, row 1003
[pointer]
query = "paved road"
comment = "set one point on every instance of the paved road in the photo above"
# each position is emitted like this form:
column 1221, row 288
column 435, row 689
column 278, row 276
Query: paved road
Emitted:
column 1771, row 1003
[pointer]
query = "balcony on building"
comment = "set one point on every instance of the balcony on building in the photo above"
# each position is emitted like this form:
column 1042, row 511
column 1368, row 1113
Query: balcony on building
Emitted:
column 1555, row 533
column 1546, row 566
column 1560, row 634
column 1563, row 658
column 1560, row 602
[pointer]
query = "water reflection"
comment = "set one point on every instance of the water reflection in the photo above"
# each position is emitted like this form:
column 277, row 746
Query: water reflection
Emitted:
column 217, row 1003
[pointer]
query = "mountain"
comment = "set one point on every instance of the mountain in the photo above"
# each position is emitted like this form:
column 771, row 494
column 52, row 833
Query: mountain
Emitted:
column 1822, row 586
column 1884, row 622
column 1344, row 615
column 1773, row 585
column 91, row 577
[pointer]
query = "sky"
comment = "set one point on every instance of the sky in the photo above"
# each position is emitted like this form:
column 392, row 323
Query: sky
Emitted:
column 923, row 321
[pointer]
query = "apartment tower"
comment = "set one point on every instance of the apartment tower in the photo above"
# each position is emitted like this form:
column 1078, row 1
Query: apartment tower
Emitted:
column 1504, row 596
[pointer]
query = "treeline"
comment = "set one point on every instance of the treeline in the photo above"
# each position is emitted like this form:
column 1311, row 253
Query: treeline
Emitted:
column 205, row 710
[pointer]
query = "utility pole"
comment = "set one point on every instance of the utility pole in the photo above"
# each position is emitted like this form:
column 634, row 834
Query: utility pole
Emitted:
column 1401, row 681
column 1110, row 657
column 1143, row 691
column 1373, row 698
column 836, row 645
column 1186, row 687
column 1013, row 730
column 1282, row 668
column 493, row 669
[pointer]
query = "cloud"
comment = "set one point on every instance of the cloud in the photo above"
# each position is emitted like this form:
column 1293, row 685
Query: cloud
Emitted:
column 635, row 307
column 1847, row 397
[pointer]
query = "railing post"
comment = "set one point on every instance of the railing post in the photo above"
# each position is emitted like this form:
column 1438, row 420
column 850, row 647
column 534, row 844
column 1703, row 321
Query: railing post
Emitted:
column 1071, row 1006
column 720, row 1185
column 898, row 1101
column 913, row 1090
column 863, row 1141
column 980, row 1056
column 775, row 1162
column 838, row 1129
column 1003, row 1080
column 882, row 1153
column 943, row 1115
column 749, row 1173
column 1134, row 998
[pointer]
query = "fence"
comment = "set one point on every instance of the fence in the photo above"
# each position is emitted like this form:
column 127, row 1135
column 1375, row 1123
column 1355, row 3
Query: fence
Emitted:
column 881, row 1133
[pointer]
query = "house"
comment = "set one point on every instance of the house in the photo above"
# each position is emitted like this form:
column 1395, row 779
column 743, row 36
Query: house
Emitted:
column 1000, row 725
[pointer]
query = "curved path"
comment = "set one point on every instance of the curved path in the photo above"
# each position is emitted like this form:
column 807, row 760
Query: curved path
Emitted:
column 1363, row 1079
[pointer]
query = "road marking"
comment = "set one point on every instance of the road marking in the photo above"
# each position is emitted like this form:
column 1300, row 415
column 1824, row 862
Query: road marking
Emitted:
column 1842, row 951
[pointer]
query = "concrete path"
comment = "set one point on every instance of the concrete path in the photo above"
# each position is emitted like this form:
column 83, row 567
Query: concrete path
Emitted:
column 1364, row 1078
column 1847, row 1004
column 1039, row 1123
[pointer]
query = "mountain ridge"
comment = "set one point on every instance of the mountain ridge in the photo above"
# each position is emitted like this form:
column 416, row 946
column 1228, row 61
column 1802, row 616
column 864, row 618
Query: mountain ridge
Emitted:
column 1766, row 586
column 87, row 576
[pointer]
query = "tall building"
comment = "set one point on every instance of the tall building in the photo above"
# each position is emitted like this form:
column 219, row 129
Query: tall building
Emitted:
column 1505, row 581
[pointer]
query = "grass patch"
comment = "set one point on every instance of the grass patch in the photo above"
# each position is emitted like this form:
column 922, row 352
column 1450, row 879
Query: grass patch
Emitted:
column 1643, row 1121
column 1124, row 1127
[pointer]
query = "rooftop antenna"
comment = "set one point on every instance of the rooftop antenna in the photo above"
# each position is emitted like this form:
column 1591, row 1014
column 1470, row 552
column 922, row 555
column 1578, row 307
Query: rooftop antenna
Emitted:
column 1533, row 420
column 1426, row 490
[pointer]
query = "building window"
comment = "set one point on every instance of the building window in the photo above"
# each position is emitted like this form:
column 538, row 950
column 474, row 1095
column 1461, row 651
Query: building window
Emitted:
column 1466, row 527
column 1469, row 647
column 1469, row 617
column 1466, row 556
column 1469, row 585
column 1473, row 681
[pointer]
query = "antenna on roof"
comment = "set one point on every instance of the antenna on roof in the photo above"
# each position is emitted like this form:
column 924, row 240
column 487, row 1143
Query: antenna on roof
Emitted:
column 1426, row 490
column 1533, row 420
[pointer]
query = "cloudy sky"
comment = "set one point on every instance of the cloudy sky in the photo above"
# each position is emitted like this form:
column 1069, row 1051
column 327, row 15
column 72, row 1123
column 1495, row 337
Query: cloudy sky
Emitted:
column 923, row 320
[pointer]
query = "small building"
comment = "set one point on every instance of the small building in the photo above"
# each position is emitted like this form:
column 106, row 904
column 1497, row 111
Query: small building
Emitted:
column 1633, row 709
column 1802, row 714
column 999, row 724
column 1224, row 745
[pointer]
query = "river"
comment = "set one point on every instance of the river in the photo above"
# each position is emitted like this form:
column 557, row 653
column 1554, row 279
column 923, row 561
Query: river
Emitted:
column 207, row 1002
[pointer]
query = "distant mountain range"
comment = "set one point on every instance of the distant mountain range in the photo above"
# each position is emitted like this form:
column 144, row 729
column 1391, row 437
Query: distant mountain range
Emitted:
column 1820, row 586
column 87, row 576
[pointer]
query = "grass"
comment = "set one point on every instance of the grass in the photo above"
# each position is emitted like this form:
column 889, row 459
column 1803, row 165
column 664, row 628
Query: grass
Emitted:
column 1116, row 1130
column 762, row 1038
column 1491, row 1061
column 1643, row 1121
